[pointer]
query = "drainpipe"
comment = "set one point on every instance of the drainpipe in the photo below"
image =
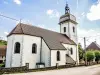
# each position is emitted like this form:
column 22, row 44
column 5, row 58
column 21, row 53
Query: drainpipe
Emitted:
column 41, row 50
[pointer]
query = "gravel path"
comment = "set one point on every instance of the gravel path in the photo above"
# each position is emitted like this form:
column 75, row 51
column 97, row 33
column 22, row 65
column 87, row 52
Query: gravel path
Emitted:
column 91, row 70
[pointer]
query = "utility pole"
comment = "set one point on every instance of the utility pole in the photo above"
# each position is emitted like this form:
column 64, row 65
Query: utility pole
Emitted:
column 20, row 21
column 85, row 50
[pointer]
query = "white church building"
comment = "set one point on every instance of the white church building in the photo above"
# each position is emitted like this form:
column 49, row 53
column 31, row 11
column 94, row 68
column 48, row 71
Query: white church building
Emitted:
column 40, row 47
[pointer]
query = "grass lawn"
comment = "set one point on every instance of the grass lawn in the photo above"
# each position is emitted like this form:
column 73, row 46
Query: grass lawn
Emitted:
column 3, row 42
column 1, row 65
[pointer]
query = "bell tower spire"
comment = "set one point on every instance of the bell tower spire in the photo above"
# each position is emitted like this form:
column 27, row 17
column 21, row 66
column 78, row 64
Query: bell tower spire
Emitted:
column 67, row 9
column 68, row 24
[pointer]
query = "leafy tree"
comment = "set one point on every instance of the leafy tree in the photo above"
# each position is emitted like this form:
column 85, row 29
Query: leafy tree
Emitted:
column 90, row 56
column 2, row 42
column 81, row 52
column 97, row 56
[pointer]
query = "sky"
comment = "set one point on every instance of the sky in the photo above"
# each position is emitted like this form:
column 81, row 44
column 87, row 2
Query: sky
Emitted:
column 46, row 13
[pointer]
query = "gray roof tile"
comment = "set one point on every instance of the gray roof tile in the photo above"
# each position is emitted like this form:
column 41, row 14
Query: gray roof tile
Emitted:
column 93, row 46
column 53, row 39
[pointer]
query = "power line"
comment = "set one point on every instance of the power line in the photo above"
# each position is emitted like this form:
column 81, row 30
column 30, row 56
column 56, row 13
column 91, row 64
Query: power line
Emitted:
column 8, row 17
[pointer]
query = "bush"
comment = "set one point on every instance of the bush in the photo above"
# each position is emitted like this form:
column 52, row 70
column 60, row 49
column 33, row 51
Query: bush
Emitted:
column 90, row 56
column 2, row 65
column 97, row 56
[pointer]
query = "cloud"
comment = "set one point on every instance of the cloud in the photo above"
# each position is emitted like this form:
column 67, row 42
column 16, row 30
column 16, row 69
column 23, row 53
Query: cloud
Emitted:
column 17, row 2
column 6, row 33
column 53, row 13
column 3, row 38
column 41, row 25
column 94, row 13
column 91, row 36
column 50, row 12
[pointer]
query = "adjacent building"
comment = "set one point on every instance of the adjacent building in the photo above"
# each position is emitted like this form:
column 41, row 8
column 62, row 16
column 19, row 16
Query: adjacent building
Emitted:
column 2, row 53
column 93, row 46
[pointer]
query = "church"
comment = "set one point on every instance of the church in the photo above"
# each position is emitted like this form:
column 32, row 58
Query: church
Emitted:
column 40, row 47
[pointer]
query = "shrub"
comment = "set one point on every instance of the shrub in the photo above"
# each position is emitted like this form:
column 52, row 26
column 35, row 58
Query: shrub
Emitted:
column 97, row 56
column 80, row 49
column 2, row 65
column 90, row 56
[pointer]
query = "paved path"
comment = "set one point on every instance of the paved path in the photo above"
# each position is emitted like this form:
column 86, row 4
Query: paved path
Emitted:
column 91, row 70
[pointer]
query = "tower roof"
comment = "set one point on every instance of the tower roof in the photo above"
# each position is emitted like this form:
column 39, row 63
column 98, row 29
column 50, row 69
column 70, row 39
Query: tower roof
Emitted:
column 67, row 9
column 67, row 17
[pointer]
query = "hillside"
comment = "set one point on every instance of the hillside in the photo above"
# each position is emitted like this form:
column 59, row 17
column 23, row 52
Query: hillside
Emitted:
column 3, row 42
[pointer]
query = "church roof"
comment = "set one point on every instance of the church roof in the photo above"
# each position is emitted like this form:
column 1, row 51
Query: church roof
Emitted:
column 53, row 39
column 93, row 46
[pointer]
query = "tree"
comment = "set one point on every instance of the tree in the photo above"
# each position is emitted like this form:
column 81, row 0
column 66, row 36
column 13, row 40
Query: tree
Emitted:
column 97, row 56
column 90, row 56
column 81, row 52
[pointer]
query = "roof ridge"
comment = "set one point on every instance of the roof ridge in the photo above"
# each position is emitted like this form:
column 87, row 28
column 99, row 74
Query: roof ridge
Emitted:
column 97, row 44
column 41, row 28
column 21, row 28
column 12, row 31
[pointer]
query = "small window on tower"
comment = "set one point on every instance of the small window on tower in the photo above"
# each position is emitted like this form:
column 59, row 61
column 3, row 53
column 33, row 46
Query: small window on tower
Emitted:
column 64, row 29
column 74, row 29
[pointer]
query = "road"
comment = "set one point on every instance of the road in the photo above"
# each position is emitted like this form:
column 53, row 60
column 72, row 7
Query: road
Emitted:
column 91, row 70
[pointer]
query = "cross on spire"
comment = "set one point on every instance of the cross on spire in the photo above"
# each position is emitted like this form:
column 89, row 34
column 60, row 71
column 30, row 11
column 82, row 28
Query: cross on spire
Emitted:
column 67, row 9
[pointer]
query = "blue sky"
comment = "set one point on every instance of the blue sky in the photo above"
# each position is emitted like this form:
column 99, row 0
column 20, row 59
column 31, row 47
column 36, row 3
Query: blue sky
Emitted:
column 46, row 13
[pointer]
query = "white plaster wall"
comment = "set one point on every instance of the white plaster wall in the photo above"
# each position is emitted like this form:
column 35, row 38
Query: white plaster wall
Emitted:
column 69, row 30
column 12, row 59
column 73, row 35
column 28, row 56
column 54, row 57
column 62, row 28
column 75, row 53
column 46, row 54
column 9, row 51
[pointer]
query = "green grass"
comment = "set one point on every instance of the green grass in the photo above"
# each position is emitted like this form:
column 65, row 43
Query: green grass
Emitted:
column 1, row 65
column 3, row 42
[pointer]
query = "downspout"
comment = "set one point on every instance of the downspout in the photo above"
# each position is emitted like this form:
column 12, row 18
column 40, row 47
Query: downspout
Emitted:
column 41, row 51
column 76, row 55
column 50, row 57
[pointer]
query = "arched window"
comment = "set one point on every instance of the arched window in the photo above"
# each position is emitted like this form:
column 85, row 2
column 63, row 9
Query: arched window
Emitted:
column 34, row 48
column 74, row 29
column 71, row 51
column 58, row 56
column 64, row 29
column 17, row 47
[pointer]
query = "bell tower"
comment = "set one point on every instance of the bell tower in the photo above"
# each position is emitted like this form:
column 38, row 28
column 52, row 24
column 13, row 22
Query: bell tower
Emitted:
column 68, row 24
